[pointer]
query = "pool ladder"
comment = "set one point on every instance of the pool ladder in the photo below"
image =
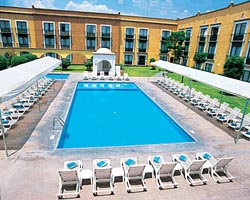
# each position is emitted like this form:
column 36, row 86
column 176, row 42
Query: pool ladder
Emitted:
column 59, row 120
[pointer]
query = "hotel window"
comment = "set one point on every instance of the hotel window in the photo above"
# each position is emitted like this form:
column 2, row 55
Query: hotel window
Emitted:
column 188, row 34
column 53, row 55
column 164, row 34
column 106, row 36
column 22, row 34
column 64, row 36
column 187, row 41
column 164, row 58
column 128, row 59
column 246, row 75
column 49, row 35
column 211, row 50
column 129, row 33
column 6, row 33
column 201, row 47
column 248, row 55
column 214, row 33
column 238, row 38
column 91, row 36
column 208, row 67
column 213, row 41
column 143, row 40
column 129, row 40
column 202, row 39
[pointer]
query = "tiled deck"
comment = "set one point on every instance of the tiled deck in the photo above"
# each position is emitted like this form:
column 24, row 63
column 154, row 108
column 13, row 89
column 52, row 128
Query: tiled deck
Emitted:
column 32, row 173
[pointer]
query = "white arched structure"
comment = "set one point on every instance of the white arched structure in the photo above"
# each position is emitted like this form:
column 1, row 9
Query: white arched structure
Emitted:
column 103, row 60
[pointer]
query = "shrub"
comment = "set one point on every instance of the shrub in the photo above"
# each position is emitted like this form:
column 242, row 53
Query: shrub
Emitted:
column 89, row 64
column 29, row 56
column 152, row 60
column 65, row 63
column 3, row 63
column 17, row 60
column 234, row 67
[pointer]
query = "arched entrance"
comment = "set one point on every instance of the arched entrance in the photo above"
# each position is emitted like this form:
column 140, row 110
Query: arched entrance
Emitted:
column 104, row 65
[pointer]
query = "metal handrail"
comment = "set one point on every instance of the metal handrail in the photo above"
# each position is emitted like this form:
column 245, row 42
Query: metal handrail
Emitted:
column 59, row 120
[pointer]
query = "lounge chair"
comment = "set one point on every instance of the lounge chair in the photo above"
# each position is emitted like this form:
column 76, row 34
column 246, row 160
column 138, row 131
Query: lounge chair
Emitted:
column 69, row 183
column 191, row 168
column 224, row 117
column 102, row 173
column 126, row 77
column 195, row 98
column 246, row 131
column 7, row 122
column 134, row 174
column 218, row 166
column 111, row 76
column 1, row 133
column 187, row 95
column 204, row 99
column 236, row 123
column 215, row 111
column 178, row 89
column 85, row 75
column 163, row 171
column 94, row 75
column 207, row 106
column 102, row 76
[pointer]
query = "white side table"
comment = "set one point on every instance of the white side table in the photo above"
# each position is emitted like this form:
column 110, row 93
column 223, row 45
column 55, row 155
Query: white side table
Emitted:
column 117, row 172
column 86, row 174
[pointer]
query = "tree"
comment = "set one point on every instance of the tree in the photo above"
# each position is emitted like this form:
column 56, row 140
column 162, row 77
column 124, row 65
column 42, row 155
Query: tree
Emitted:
column 3, row 63
column 152, row 60
column 65, row 63
column 234, row 67
column 199, row 58
column 89, row 64
column 174, row 44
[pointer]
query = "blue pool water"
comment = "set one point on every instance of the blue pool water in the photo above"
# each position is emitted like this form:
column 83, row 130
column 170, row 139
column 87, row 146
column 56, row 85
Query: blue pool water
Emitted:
column 57, row 76
column 117, row 114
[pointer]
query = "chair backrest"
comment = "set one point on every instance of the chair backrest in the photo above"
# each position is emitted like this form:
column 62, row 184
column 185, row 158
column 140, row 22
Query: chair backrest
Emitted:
column 222, row 163
column 196, row 166
column 234, row 113
column 68, row 175
column 167, row 168
column 136, row 170
column 103, row 173
column 213, row 103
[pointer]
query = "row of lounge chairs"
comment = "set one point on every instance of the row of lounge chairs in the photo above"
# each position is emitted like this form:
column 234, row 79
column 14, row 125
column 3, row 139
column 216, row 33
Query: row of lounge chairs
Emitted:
column 111, row 76
column 222, row 113
column 15, row 108
column 134, row 173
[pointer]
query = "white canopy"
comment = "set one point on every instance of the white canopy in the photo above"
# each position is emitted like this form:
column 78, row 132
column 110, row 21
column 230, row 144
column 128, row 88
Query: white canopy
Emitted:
column 17, row 79
column 226, row 84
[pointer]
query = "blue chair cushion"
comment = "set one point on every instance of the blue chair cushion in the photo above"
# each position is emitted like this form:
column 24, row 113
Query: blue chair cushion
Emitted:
column 233, row 124
column 7, row 113
column 247, row 133
column 5, row 121
column 207, row 156
column 129, row 162
column 183, row 158
column 72, row 165
column 157, row 159
column 101, row 163
column 221, row 117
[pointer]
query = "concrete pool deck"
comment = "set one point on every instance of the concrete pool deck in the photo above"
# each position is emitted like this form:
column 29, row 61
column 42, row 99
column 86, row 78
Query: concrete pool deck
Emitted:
column 32, row 172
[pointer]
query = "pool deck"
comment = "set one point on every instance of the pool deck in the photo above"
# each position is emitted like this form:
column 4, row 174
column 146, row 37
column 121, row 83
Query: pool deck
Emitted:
column 31, row 173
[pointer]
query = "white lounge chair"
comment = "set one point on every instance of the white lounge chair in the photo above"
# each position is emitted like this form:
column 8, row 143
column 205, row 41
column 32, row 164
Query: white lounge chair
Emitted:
column 224, row 117
column 178, row 89
column 134, row 174
column 215, row 111
column 163, row 171
column 94, row 75
column 204, row 99
column 102, row 174
column 69, row 183
column 196, row 98
column 85, row 75
column 126, row 77
column 191, row 169
column 246, row 131
column 218, row 166
column 102, row 76
column 111, row 76
column 207, row 106
column 7, row 122
column 236, row 123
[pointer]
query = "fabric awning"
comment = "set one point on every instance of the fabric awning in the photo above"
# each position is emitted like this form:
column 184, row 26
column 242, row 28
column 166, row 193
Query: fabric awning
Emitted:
column 17, row 79
column 229, row 85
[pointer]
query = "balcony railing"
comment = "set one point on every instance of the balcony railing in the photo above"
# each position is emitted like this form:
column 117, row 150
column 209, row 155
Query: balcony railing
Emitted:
column 210, row 56
column 48, row 32
column 64, row 33
column 142, row 50
column 5, row 30
column 49, row 46
column 90, row 47
column 187, row 38
column 248, row 61
column 105, row 35
column 202, row 38
column 129, row 49
column 22, row 31
column 143, row 37
column 65, row 46
column 163, row 50
column 23, row 45
column 238, row 37
column 6, row 44
column 90, row 34
column 213, row 38
column 129, row 36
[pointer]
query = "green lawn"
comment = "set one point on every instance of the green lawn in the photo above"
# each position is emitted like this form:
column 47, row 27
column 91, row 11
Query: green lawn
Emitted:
column 146, row 71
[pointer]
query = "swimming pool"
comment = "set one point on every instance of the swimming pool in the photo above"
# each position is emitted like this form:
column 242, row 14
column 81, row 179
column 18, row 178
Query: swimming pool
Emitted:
column 57, row 76
column 117, row 114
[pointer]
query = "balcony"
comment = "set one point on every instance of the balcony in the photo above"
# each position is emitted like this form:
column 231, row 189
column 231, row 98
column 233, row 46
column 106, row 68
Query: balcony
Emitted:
column 48, row 32
column 5, row 30
column 22, row 31
column 129, row 49
column 105, row 35
column 143, row 37
column 238, row 37
column 91, row 34
column 6, row 44
column 210, row 56
column 213, row 38
column 142, row 50
column 65, row 46
column 26, row 45
column 202, row 38
column 49, row 46
column 64, row 33
column 129, row 36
